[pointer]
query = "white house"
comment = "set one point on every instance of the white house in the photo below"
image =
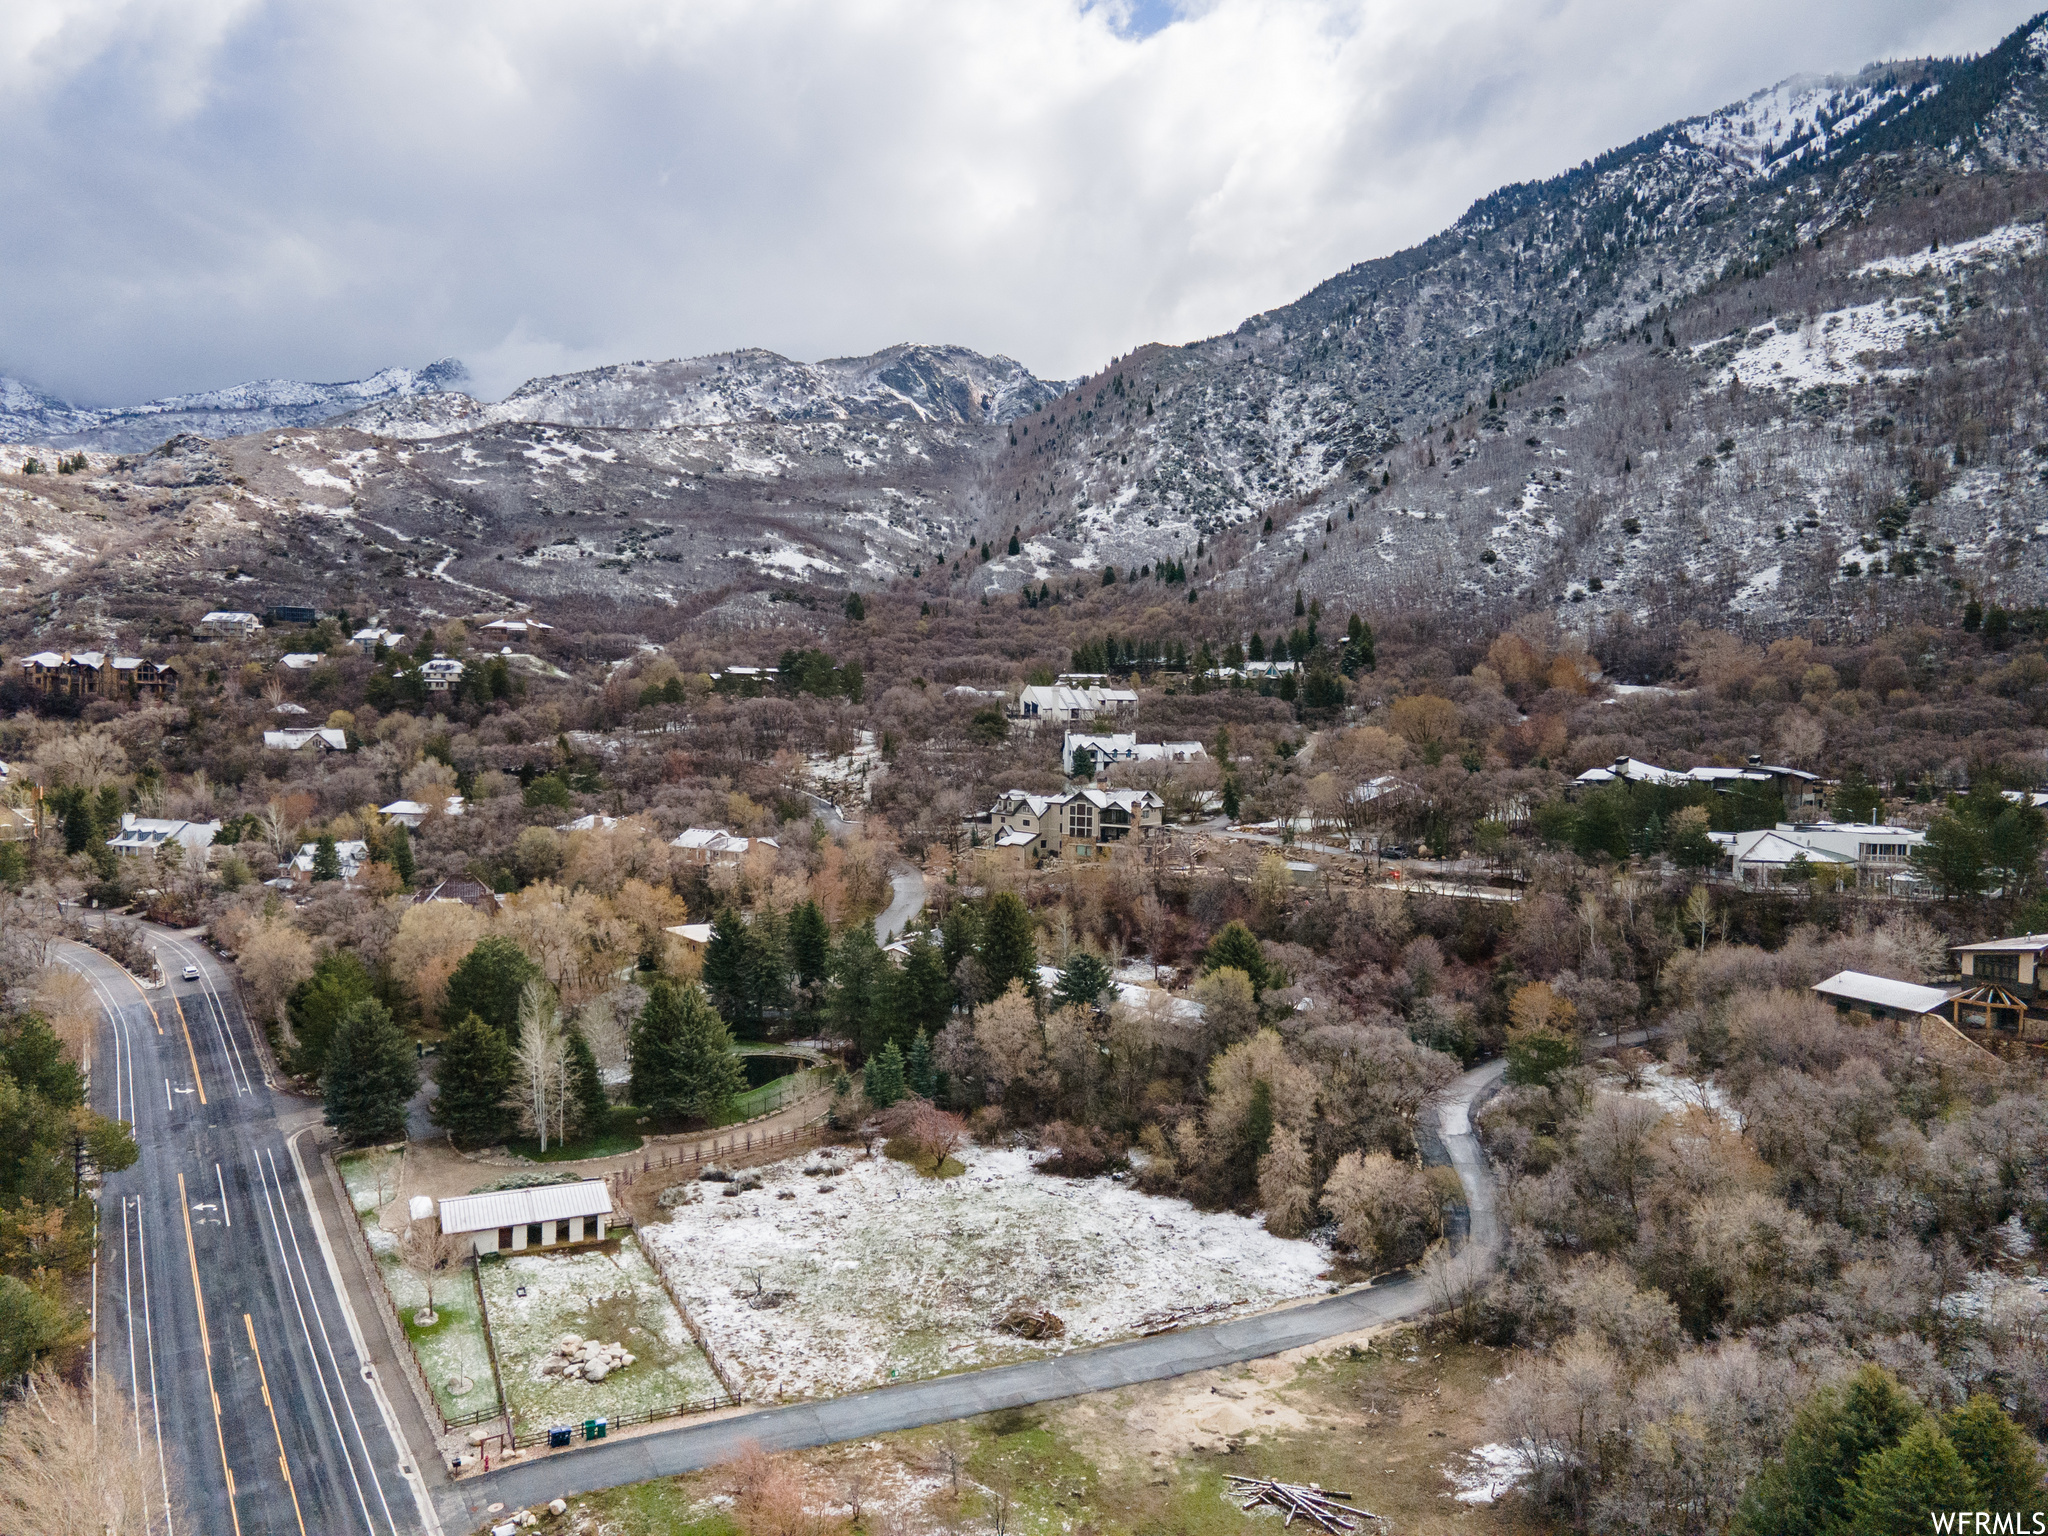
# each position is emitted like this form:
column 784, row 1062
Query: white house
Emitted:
column 1881, row 997
column 367, row 639
column 1876, row 853
column 509, row 1220
column 146, row 834
column 440, row 674
column 1124, row 747
column 516, row 626
column 410, row 813
column 222, row 622
column 595, row 821
column 300, row 661
column 353, row 854
column 709, row 845
column 326, row 738
column 1070, row 706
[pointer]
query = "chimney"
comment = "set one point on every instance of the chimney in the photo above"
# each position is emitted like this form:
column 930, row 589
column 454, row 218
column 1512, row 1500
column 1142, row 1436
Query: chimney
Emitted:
column 1756, row 759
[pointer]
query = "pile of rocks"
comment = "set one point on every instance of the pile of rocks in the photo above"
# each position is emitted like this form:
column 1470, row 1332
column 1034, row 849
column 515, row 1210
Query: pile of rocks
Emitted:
column 586, row 1359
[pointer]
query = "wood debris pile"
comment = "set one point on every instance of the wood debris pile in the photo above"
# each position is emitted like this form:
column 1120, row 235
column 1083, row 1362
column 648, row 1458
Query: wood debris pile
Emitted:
column 1310, row 1502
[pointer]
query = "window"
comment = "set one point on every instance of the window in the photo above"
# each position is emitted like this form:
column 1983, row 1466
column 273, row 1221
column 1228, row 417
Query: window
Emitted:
column 533, row 1237
column 1116, row 823
column 1996, row 967
column 504, row 1238
column 1081, row 820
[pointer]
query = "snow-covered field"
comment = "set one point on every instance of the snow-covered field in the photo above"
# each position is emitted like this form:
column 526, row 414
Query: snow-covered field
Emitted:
column 875, row 1271
column 1675, row 1091
column 1835, row 348
column 615, row 1298
column 1488, row 1472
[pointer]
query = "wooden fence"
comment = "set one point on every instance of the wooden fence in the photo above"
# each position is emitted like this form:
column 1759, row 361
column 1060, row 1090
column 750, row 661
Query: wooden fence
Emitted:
column 736, row 1145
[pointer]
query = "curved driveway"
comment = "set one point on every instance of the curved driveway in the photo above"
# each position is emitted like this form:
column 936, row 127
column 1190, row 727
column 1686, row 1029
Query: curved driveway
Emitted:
column 692, row 1447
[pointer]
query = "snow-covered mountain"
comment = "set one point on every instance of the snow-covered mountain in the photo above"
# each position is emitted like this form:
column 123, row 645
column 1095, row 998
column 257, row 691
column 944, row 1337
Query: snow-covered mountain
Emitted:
column 926, row 385
column 28, row 415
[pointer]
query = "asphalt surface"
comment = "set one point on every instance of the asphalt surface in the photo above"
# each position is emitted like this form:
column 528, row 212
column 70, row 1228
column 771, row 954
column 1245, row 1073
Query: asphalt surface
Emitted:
column 215, row 1303
column 906, row 900
column 692, row 1447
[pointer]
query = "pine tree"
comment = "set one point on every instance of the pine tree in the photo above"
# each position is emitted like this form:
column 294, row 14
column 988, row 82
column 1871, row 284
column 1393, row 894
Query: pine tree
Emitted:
column 1238, row 947
column 682, row 1057
column 2003, row 1461
column 861, row 984
column 1231, row 803
column 730, row 969
column 488, row 982
column 1897, row 1489
column 1007, row 951
column 924, row 992
column 474, row 1073
column 590, row 1107
column 316, row 1007
column 1805, row 1492
column 372, row 1072
column 401, row 856
column 918, row 1074
column 882, row 1078
column 959, row 935
column 1083, row 979
column 326, row 859
column 809, row 944
column 856, row 610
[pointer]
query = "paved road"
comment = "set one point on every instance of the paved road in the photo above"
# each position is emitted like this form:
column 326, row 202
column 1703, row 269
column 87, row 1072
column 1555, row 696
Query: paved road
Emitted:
column 216, row 1303
column 906, row 903
column 691, row 1447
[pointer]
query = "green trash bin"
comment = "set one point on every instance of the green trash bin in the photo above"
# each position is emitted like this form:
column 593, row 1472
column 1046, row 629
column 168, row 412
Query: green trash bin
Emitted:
column 593, row 1429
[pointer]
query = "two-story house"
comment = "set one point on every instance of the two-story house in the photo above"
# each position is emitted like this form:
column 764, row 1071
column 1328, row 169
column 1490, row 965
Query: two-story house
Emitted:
column 1079, row 824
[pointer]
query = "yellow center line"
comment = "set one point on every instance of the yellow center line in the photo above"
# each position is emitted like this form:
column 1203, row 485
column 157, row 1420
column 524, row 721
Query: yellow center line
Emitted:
column 264, row 1377
column 206, row 1344
column 188, row 1048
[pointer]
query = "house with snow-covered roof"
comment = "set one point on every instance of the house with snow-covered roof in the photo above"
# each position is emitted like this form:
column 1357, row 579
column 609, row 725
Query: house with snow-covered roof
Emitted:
column 1078, row 824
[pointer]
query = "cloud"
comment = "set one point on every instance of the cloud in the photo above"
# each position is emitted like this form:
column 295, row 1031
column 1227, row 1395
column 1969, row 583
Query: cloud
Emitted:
column 213, row 190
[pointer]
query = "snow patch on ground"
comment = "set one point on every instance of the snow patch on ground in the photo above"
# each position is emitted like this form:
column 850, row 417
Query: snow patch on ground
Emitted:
column 1676, row 1092
column 2006, row 242
column 1759, row 589
column 1488, row 1472
column 322, row 479
column 882, row 1272
column 594, row 1293
column 1833, row 348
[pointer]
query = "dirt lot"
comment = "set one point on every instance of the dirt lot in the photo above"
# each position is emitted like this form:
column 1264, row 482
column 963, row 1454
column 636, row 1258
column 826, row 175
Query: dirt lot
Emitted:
column 1385, row 1417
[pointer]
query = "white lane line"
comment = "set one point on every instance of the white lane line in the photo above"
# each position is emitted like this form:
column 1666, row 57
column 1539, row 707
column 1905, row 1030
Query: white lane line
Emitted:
column 169, row 1107
column 226, row 1215
column 312, row 1351
column 149, row 1339
column 220, row 1015
column 408, row 1467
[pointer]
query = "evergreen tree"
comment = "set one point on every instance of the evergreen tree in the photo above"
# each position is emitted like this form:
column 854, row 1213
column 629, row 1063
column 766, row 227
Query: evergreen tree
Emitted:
column 861, row 984
column 488, row 982
column 1008, row 952
column 401, row 856
column 475, row 1074
column 959, row 935
column 856, row 610
column 1805, row 1491
column 1360, row 653
column 372, row 1072
column 809, row 944
column 1238, row 947
column 590, row 1107
column 682, row 1058
column 1897, row 1489
column 882, row 1078
column 316, row 1006
column 731, row 969
column 924, row 992
column 918, row 1074
column 1083, row 979
column 1231, row 803
column 2003, row 1462
column 326, row 859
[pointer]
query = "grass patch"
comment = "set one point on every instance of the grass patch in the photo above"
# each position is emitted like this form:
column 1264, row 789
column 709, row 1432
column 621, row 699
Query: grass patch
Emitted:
column 667, row 1506
column 618, row 1136
column 452, row 1346
column 901, row 1151
column 769, row 1097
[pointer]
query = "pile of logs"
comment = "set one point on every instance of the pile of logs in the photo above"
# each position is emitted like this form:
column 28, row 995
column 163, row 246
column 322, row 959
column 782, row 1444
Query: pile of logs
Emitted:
column 1310, row 1502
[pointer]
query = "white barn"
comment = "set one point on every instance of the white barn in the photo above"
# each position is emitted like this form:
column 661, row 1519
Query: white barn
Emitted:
column 513, row 1220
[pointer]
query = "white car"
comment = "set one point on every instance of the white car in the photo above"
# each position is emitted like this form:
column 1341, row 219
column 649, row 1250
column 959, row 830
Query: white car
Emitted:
column 191, row 973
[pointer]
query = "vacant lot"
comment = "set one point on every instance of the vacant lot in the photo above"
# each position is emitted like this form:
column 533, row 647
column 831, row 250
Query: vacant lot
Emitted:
column 1392, row 1420
column 841, row 1271
column 609, row 1293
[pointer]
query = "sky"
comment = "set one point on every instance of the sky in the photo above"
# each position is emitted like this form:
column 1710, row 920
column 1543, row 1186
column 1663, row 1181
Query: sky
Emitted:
column 200, row 192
